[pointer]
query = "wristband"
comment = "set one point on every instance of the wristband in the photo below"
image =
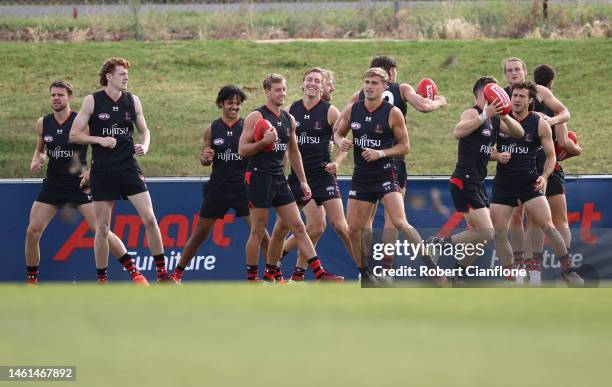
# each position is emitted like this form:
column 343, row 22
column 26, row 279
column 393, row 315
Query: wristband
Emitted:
column 483, row 117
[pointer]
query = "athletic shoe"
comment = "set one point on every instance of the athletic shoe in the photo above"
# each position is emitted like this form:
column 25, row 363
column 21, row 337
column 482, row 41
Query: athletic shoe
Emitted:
column 573, row 279
column 329, row 277
column 434, row 240
column 167, row 279
column 32, row 281
column 255, row 280
column 535, row 278
column 102, row 281
column 177, row 277
column 297, row 278
column 519, row 279
column 140, row 279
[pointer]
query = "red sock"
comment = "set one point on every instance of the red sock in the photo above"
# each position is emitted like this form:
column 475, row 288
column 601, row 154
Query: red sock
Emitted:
column 316, row 267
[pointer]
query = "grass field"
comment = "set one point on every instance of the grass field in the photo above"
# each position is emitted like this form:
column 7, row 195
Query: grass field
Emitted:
column 238, row 335
column 178, row 82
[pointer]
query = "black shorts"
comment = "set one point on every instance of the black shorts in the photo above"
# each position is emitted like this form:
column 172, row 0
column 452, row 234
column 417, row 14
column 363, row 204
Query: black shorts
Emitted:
column 60, row 197
column 509, row 191
column 556, row 182
column 116, row 185
column 373, row 189
column 323, row 187
column 217, row 202
column 265, row 191
column 468, row 195
column 402, row 175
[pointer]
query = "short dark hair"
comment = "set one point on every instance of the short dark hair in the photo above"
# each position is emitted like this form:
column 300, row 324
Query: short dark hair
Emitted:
column 543, row 75
column 384, row 62
column 229, row 92
column 62, row 84
column 481, row 83
column 528, row 85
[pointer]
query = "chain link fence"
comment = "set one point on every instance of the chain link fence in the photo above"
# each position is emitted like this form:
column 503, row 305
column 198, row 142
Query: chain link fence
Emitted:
column 101, row 20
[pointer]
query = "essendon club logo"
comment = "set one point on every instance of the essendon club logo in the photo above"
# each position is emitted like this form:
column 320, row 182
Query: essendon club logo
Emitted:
column 175, row 230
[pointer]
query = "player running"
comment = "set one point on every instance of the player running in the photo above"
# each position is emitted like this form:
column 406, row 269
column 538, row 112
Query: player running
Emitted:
column 225, row 188
column 66, row 183
column 111, row 115
column 477, row 131
column 379, row 135
column 518, row 181
column 266, row 184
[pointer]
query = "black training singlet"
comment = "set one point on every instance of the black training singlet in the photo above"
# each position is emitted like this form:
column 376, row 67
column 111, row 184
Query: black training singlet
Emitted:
column 473, row 151
column 113, row 119
column 371, row 130
column 228, row 166
column 523, row 151
column 313, row 134
column 63, row 168
column 271, row 163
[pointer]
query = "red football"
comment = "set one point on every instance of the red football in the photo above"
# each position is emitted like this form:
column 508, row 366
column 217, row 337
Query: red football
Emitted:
column 427, row 88
column 560, row 152
column 261, row 126
column 493, row 91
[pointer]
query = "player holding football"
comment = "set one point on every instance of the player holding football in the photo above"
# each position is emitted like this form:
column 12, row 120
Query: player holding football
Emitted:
column 314, row 119
column 266, row 184
column 66, row 183
column 515, row 71
column 225, row 188
column 477, row 131
column 111, row 115
column 518, row 181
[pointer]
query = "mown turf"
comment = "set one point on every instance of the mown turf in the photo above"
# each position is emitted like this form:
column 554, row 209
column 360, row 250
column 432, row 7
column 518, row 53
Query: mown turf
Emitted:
column 237, row 335
column 178, row 82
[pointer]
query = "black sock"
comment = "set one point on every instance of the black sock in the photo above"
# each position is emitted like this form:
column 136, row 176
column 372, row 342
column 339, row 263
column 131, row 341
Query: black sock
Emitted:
column 102, row 273
column 252, row 271
column 179, row 268
column 160, row 264
column 32, row 272
column 127, row 262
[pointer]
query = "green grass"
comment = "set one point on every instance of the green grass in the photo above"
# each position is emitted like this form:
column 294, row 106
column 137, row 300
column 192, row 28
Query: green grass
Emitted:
column 238, row 335
column 178, row 82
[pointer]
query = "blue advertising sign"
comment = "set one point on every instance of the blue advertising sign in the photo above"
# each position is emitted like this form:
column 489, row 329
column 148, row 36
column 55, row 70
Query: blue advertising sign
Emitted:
column 67, row 244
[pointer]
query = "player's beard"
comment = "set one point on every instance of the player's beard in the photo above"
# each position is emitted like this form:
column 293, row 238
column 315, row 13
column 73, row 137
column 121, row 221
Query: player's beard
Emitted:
column 58, row 108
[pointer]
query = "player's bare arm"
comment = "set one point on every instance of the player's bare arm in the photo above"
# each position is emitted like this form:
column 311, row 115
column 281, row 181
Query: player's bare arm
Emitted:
column 546, row 140
column 562, row 114
column 207, row 154
column 422, row 104
column 38, row 159
column 341, row 129
column 511, row 126
column 142, row 148
column 79, row 133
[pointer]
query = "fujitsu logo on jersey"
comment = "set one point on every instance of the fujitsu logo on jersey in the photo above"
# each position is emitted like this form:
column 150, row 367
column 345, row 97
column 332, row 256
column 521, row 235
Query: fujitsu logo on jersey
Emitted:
column 228, row 155
column 303, row 138
column 58, row 153
column 486, row 149
column 279, row 147
column 115, row 130
column 365, row 142
column 515, row 149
